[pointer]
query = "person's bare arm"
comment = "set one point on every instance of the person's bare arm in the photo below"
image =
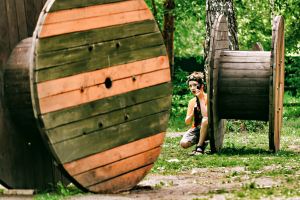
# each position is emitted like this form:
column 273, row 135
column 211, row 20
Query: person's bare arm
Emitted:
column 189, row 118
column 200, row 95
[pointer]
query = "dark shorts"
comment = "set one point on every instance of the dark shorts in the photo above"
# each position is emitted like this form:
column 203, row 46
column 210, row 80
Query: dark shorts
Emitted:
column 192, row 135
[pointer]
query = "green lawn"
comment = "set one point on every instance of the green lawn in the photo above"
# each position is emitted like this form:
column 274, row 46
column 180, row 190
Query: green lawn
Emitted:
column 246, row 149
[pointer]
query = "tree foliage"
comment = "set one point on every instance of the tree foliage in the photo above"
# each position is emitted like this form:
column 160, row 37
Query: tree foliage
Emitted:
column 253, row 19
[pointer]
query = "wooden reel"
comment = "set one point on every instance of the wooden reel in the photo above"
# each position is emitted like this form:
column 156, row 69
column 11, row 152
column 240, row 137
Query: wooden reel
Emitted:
column 25, row 162
column 245, row 84
column 101, row 90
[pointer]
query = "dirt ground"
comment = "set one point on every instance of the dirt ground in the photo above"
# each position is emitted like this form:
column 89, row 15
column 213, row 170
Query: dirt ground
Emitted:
column 187, row 185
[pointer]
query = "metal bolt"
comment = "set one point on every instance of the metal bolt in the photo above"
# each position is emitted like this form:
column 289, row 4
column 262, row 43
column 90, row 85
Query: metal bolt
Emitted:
column 134, row 78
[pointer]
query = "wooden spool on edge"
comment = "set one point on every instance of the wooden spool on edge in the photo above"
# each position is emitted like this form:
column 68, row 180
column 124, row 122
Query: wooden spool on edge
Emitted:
column 218, row 41
column 101, row 157
column 276, row 91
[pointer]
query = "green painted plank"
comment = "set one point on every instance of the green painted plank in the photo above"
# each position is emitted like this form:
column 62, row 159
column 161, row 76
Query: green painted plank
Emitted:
column 72, row 55
column 99, row 63
column 106, row 105
column 104, row 121
column 68, row 4
column 94, row 36
column 109, row 138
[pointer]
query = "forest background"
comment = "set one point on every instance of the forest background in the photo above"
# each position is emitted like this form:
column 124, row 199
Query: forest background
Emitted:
column 254, row 25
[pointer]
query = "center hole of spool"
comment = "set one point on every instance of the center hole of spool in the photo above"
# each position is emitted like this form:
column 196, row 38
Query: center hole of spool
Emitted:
column 108, row 83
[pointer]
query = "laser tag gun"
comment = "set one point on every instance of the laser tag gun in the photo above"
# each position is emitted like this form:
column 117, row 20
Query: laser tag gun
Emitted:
column 197, row 108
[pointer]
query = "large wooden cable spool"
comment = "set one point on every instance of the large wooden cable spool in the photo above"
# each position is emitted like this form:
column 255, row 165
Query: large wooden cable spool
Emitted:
column 101, row 90
column 25, row 161
column 245, row 84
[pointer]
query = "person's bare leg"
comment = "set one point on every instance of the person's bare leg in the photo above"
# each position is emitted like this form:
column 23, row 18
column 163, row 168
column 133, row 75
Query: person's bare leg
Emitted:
column 185, row 144
column 203, row 132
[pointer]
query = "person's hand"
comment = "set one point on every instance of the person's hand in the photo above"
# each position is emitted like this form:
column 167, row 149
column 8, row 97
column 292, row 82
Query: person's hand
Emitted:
column 200, row 93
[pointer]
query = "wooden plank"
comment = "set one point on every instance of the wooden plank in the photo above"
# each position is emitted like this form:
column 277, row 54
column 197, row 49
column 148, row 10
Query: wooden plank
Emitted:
column 93, row 93
column 222, row 35
column 124, row 182
column 245, row 114
column 47, row 167
column 89, row 125
column 21, row 15
column 94, row 11
column 244, row 82
column 88, row 79
column 94, row 108
column 222, row 44
column 115, row 154
column 222, row 26
column 38, row 165
column 68, row 4
column 246, row 53
column 243, row 106
column 105, row 139
column 97, row 35
column 257, row 47
column 18, row 100
column 231, row 73
column 263, row 99
column 243, row 90
column 95, row 22
column 243, row 66
column 241, row 59
column 117, row 168
column 12, row 23
column 99, row 63
column 28, row 164
column 18, row 87
column 18, row 192
column 76, row 54
column 5, row 48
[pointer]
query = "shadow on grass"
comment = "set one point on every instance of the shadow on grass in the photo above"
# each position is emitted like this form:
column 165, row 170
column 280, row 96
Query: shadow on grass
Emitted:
column 231, row 151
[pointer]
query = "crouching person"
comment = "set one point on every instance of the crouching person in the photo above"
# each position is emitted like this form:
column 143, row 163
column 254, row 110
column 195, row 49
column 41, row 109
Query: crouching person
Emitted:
column 197, row 112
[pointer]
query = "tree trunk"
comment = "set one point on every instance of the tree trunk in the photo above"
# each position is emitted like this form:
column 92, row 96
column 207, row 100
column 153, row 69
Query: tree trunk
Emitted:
column 214, row 7
column 168, row 32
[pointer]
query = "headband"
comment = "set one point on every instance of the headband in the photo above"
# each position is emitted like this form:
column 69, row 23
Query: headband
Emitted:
column 193, row 78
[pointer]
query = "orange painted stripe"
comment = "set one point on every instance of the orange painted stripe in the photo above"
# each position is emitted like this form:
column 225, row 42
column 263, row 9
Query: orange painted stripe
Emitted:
column 95, row 22
column 53, row 87
column 94, row 11
column 93, row 93
column 115, row 154
column 124, row 182
column 115, row 169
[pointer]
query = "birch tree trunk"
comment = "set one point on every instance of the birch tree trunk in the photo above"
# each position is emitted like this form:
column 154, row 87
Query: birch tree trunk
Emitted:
column 214, row 7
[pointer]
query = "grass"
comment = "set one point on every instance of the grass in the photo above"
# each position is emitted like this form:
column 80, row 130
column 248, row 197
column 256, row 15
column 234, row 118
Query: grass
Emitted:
column 60, row 191
column 249, row 150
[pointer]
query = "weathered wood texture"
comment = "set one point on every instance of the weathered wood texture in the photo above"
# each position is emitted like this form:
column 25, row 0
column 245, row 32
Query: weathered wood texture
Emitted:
column 18, row 21
column 276, row 83
column 25, row 161
column 257, row 47
column 244, row 85
column 218, row 42
column 100, row 83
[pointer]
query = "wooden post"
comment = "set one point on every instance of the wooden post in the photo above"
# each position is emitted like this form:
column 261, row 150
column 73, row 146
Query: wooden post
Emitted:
column 168, row 32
